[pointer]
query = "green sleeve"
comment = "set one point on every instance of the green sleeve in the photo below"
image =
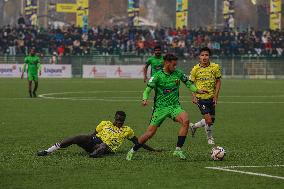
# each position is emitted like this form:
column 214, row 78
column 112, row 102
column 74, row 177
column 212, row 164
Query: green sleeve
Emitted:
column 148, row 62
column 25, row 67
column 38, row 64
column 191, row 86
column 146, row 93
column 25, row 64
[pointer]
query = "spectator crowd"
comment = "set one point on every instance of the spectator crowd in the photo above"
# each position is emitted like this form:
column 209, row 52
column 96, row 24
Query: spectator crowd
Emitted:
column 139, row 41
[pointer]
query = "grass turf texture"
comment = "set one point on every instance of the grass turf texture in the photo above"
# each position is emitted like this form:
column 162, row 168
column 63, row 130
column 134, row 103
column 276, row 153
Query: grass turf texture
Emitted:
column 249, row 126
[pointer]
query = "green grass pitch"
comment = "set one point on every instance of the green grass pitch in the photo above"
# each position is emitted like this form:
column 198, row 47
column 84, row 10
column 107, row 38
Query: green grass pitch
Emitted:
column 249, row 125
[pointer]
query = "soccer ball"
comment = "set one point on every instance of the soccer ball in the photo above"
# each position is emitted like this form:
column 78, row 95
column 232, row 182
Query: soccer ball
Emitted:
column 218, row 153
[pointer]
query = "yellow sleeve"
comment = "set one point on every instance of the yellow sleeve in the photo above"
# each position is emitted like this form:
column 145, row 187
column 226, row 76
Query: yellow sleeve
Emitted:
column 218, row 74
column 130, row 133
column 192, row 75
column 99, row 128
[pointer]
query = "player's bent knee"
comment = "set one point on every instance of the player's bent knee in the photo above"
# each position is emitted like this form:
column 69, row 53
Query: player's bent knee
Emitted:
column 208, row 120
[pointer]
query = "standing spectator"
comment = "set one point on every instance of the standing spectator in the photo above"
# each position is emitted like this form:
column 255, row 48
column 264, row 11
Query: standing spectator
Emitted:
column 60, row 51
column 21, row 21
column 33, row 19
column 54, row 58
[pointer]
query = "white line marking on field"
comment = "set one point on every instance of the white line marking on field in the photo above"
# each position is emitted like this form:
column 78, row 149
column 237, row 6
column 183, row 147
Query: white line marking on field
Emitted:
column 27, row 98
column 251, row 166
column 231, row 169
column 137, row 99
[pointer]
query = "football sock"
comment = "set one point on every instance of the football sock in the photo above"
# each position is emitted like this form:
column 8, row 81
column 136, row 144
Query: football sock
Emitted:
column 30, row 93
column 56, row 146
column 208, row 130
column 180, row 141
column 137, row 146
column 199, row 124
column 178, row 148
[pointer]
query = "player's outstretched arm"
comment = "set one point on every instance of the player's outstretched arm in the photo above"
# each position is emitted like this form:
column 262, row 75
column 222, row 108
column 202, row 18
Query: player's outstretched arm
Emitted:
column 194, row 89
column 24, row 70
column 145, row 69
column 194, row 98
column 146, row 94
column 217, row 89
column 146, row 147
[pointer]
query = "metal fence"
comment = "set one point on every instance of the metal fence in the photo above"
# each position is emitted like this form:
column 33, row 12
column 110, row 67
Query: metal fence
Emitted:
column 232, row 67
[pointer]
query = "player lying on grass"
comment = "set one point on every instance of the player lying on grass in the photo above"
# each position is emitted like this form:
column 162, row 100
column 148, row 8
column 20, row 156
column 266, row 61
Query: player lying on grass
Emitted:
column 166, row 84
column 106, row 139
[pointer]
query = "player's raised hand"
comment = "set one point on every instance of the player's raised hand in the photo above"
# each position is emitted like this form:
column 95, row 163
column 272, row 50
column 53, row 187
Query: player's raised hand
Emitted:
column 201, row 91
column 145, row 79
column 144, row 102
column 194, row 99
column 215, row 100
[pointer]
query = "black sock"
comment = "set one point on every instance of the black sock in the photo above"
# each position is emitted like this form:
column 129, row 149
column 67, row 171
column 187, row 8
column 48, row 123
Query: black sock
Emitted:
column 137, row 146
column 181, row 140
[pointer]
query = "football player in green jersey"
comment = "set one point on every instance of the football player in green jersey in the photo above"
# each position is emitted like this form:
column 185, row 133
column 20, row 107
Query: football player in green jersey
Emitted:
column 33, row 70
column 166, row 84
column 206, row 75
column 156, row 63
column 106, row 139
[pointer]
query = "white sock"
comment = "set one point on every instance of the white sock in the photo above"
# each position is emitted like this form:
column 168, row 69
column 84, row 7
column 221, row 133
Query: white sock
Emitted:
column 209, row 131
column 178, row 148
column 131, row 150
column 56, row 146
column 199, row 124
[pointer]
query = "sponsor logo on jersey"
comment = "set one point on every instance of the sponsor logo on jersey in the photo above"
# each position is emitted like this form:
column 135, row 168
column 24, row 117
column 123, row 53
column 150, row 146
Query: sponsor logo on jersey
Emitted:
column 166, row 91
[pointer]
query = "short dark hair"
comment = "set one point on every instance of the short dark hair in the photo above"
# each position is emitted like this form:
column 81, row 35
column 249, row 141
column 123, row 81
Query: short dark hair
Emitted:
column 157, row 47
column 170, row 57
column 205, row 49
column 121, row 113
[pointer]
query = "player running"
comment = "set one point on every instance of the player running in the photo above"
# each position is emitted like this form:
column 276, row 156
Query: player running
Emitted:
column 106, row 139
column 206, row 75
column 33, row 70
column 156, row 63
column 166, row 83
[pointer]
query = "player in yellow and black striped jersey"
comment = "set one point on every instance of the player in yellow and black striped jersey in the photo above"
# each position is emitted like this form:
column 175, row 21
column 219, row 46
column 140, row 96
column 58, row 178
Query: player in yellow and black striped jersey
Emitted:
column 107, row 138
column 206, row 75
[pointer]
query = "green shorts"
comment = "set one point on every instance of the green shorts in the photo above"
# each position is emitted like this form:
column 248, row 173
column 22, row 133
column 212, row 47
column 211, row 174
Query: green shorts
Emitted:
column 160, row 114
column 32, row 77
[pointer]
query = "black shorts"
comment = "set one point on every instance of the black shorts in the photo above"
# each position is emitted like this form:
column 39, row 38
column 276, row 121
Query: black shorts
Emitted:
column 99, row 148
column 206, row 106
column 90, row 144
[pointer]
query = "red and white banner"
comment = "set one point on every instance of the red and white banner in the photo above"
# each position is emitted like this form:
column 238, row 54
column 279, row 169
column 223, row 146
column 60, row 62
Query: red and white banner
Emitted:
column 47, row 70
column 113, row 71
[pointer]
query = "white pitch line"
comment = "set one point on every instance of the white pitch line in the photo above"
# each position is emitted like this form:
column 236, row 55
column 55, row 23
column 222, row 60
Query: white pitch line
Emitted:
column 120, row 99
column 246, row 172
column 132, row 99
column 251, row 166
column 24, row 98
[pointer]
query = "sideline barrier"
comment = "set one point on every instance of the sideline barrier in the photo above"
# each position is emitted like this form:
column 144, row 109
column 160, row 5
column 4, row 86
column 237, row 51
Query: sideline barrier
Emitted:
column 47, row 71
column 114, row 71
